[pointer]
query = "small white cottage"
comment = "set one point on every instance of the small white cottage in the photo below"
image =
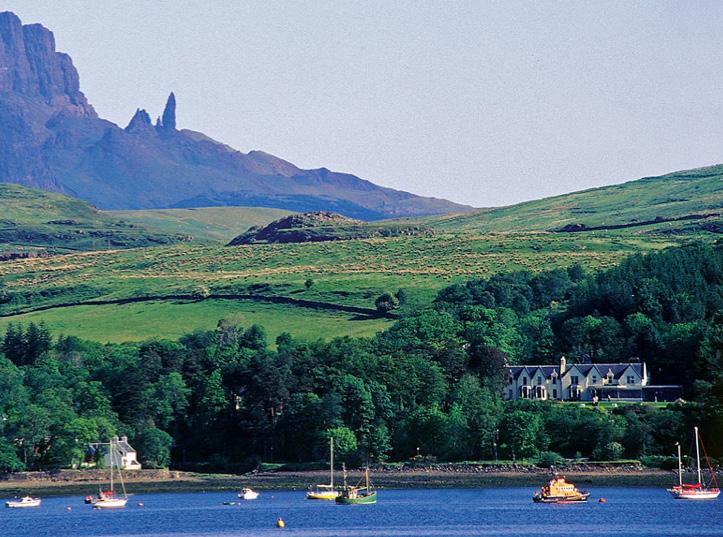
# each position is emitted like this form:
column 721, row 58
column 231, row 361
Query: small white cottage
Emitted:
column 124, row 455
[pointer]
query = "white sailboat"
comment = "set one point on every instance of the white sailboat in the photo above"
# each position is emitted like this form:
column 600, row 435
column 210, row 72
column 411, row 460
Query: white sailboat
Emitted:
column 108, row 499
column 325, row 492
column 699, row 490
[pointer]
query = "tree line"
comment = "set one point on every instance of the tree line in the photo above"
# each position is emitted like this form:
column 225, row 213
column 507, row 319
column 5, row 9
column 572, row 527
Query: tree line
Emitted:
column 225, row 399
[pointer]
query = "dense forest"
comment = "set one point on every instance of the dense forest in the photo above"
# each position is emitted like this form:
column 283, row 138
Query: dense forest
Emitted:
column 430, row 385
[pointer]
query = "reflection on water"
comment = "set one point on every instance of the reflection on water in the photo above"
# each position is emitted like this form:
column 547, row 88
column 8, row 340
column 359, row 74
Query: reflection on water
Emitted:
column 414, row 513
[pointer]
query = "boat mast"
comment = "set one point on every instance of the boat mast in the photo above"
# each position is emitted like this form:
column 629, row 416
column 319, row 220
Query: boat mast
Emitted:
column 331, row 461
column 110, row 448
column 366, row 477
column 120, row 476
column 697, row 453
column 680, row 466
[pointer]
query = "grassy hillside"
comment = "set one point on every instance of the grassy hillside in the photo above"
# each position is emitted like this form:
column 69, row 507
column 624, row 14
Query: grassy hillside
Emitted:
column 348, row 274
column 37, row 220
column 219, row 224
column 188, row 283
column 669, row 196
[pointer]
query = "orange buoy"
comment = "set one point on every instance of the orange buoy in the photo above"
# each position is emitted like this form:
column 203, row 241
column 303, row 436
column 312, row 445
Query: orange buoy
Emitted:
column 601, row 500
column 280, row 523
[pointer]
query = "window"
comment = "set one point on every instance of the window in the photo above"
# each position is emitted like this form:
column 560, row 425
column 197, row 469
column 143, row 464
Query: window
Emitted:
column 539, row 379
column 574, row 379
column 631, row 379
column 524, row 381
column 554, row 380
column 554, row 393
column 594, row 379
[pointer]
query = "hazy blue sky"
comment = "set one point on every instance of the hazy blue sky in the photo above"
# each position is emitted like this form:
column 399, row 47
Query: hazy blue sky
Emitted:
column 485, row 103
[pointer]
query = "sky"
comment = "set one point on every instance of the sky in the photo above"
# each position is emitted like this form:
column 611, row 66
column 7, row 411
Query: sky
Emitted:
column 482, row 103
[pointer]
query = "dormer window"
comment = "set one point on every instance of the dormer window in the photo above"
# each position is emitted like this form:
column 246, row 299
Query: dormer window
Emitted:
column 539, row 379
column 574, row 379
column 631, row 379
column 524, row 381
column 594, row 379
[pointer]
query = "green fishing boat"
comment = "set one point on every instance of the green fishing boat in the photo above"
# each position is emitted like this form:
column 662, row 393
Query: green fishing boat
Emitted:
column 362, row 495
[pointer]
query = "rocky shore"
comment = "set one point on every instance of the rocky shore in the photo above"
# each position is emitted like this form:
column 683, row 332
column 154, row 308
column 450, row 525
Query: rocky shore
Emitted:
column 461, row 475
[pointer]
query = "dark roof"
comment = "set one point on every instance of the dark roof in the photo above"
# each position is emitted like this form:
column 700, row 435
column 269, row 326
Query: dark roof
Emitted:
column 617, row 369
column 547, row 370
column 125, row 447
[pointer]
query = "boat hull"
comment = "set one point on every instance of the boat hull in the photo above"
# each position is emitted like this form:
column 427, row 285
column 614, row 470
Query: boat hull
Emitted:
column 248, row 495
column 22, row 505
column 359, row 500
column 328, row 496
column 701, row 494
column 560, row 499
column 111, row 503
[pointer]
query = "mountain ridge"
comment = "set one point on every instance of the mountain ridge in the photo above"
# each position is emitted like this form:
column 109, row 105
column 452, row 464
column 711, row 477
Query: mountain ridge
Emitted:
column 52, row 138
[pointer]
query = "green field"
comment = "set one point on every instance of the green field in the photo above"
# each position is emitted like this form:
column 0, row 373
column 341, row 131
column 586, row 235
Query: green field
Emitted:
column 344, row 272
column 220, row 224
column 171, row 319
column 349, row 273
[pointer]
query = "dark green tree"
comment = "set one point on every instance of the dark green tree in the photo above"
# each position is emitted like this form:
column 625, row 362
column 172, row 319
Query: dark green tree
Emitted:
column 386, row 302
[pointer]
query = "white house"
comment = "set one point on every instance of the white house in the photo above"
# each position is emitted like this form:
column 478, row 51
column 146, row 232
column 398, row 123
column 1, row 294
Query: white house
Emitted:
column 124, row 455
column 577, row 382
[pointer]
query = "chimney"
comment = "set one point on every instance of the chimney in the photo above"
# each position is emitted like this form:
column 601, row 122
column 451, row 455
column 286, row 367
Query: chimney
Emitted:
column 644, row 382
column 563, row 365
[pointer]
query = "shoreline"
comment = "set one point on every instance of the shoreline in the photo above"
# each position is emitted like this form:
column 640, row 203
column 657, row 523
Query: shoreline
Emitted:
column 82, row 483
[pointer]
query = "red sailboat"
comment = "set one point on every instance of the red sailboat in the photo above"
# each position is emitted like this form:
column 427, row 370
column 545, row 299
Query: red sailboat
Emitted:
column 699, row 490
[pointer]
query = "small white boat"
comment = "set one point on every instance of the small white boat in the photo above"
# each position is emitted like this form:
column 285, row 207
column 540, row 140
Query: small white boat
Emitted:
column 25, row 501
column 248, row 494
column 108, row 499
column 326, row 492
column 110, row 502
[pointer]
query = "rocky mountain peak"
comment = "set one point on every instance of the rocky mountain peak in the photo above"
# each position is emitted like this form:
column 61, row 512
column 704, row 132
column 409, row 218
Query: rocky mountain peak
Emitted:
column 140, row 122
column 168, row 120
column 51, row 138
column 30, row 66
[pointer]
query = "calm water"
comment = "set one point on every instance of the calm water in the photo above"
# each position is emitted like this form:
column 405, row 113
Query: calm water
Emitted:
column 415, row 513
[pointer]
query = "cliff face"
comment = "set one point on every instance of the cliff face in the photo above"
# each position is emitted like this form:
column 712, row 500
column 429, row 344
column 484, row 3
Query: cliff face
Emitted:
column 31, row 67
column 51, row 138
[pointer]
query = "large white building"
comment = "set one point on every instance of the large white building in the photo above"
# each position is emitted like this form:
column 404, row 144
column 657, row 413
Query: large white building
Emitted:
column 578, row 382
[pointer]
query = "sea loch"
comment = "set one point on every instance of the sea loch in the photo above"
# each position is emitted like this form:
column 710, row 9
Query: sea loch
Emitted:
column 418, row 513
